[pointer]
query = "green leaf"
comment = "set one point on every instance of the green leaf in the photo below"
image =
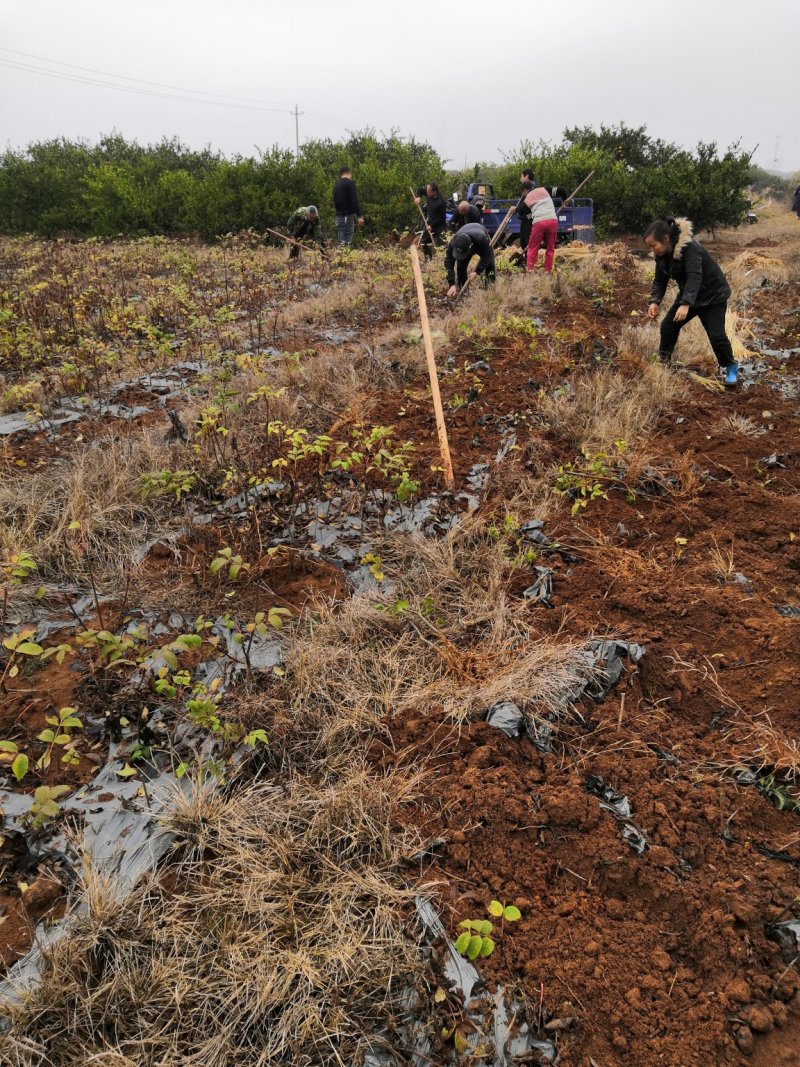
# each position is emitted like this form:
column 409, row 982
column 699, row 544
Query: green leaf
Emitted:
column 216, row 564
column 19, row 768
column 61, row 739
column 29, row 648
column 474, row 947
column 462, row 943
column 8, row 746
column 487, row 947
column 127, row 771
column 485, row 927
column 495, row 908
column 465, row 924
column 511, row 913
column 48, row 736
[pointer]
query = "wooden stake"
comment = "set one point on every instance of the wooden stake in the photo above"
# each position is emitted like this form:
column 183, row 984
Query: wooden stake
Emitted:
column 441, row 429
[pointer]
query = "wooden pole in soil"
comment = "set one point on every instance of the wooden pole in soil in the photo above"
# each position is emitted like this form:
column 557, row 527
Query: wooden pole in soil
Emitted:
column 441, row 429
column 424, row 220
column 495, row 237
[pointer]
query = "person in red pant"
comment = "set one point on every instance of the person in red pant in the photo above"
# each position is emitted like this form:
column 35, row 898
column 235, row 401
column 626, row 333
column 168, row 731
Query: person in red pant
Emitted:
column 544, row 227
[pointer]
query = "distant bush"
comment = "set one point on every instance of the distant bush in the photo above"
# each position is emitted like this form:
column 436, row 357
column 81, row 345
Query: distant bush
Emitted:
column 122, row 187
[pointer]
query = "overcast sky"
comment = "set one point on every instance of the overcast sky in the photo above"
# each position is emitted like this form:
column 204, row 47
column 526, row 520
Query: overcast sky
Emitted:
column 471, row 78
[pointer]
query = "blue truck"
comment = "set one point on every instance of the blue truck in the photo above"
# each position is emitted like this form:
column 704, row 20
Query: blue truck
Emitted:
column 575, row 222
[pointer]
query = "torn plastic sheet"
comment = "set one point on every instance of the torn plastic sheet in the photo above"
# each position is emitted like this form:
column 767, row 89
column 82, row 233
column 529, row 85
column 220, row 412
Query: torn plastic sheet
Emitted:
column 74, row 408
column 122, row 838
column 542, row 589
column 497, row 1040
column 620, row 807
column 607, row 656
column 507, row 717
column 788, row 611
column 787, row 935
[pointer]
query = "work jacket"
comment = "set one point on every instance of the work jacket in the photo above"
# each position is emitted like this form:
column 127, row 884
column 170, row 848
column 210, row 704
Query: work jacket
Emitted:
column 481, row 246
column 345, row 198
column 699, row 278
column 436, row 212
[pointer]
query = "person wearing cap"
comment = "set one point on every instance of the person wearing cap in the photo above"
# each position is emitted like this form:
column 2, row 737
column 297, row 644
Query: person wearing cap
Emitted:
column 464, row 213
column 471, row 240
column 304, row 223
column 435, row 215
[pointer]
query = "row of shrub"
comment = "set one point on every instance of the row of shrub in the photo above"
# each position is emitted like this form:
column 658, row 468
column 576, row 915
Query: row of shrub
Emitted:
column 119, row 187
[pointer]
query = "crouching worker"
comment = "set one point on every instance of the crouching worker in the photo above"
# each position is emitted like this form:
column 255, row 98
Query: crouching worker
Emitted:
column 703, row 290
column 471, row 240
column 302, row 224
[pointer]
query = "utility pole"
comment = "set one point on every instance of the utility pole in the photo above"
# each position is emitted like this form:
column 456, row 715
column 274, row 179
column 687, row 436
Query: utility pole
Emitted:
column 297, row 113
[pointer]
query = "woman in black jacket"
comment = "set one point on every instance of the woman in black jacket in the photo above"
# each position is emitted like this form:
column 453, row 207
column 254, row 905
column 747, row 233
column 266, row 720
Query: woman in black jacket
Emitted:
column 703, row 290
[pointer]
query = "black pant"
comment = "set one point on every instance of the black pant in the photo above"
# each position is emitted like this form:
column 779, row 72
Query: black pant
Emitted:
column 712, row 317
column 525, row 227
column 426, row 243
column 462, row 270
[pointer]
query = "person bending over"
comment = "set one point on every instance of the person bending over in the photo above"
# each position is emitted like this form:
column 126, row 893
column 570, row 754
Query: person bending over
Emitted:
column 304, row 223
column 464, row 213
column 703, row 290
column 471, row 240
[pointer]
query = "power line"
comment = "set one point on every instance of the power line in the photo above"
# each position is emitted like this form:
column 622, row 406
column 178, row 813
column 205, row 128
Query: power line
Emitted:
column 255, row 105
column 63, row 76
column 142, row 81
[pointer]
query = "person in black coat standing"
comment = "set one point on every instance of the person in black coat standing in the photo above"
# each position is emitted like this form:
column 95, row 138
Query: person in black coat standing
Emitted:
column 471, row 240
column 796, row 202
column 703, row 290
column 346, row 206
column 436, row 215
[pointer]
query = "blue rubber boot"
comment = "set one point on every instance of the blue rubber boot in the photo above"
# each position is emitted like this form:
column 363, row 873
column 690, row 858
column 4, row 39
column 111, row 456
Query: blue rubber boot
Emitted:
column 731, row 374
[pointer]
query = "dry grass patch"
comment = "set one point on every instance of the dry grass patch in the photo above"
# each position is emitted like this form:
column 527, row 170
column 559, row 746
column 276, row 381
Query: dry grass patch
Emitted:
column 100, row 489
column 606, row 406
column 276, row 937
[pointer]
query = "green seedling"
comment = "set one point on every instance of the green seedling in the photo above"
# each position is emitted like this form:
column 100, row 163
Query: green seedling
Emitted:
column 476, row 941
column 59, row 733
column 226, row 559
column 45, row 806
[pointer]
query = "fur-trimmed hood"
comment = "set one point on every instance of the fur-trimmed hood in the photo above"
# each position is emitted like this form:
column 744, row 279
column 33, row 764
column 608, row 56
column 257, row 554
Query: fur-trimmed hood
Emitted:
column 685, row 234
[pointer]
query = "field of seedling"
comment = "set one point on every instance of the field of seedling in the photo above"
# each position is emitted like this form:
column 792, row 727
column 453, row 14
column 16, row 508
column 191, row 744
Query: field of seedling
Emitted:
column 306, row 759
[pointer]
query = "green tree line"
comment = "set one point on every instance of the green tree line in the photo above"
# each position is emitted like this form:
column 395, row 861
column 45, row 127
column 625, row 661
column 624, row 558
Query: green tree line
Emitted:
column 637, row 178
column 119, row 187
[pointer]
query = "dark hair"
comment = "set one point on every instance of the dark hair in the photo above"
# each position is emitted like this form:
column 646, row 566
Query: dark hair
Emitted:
column 527, row 186
column 528, row 174
column 344, row 170
column 434, row 186
column 659, row 230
